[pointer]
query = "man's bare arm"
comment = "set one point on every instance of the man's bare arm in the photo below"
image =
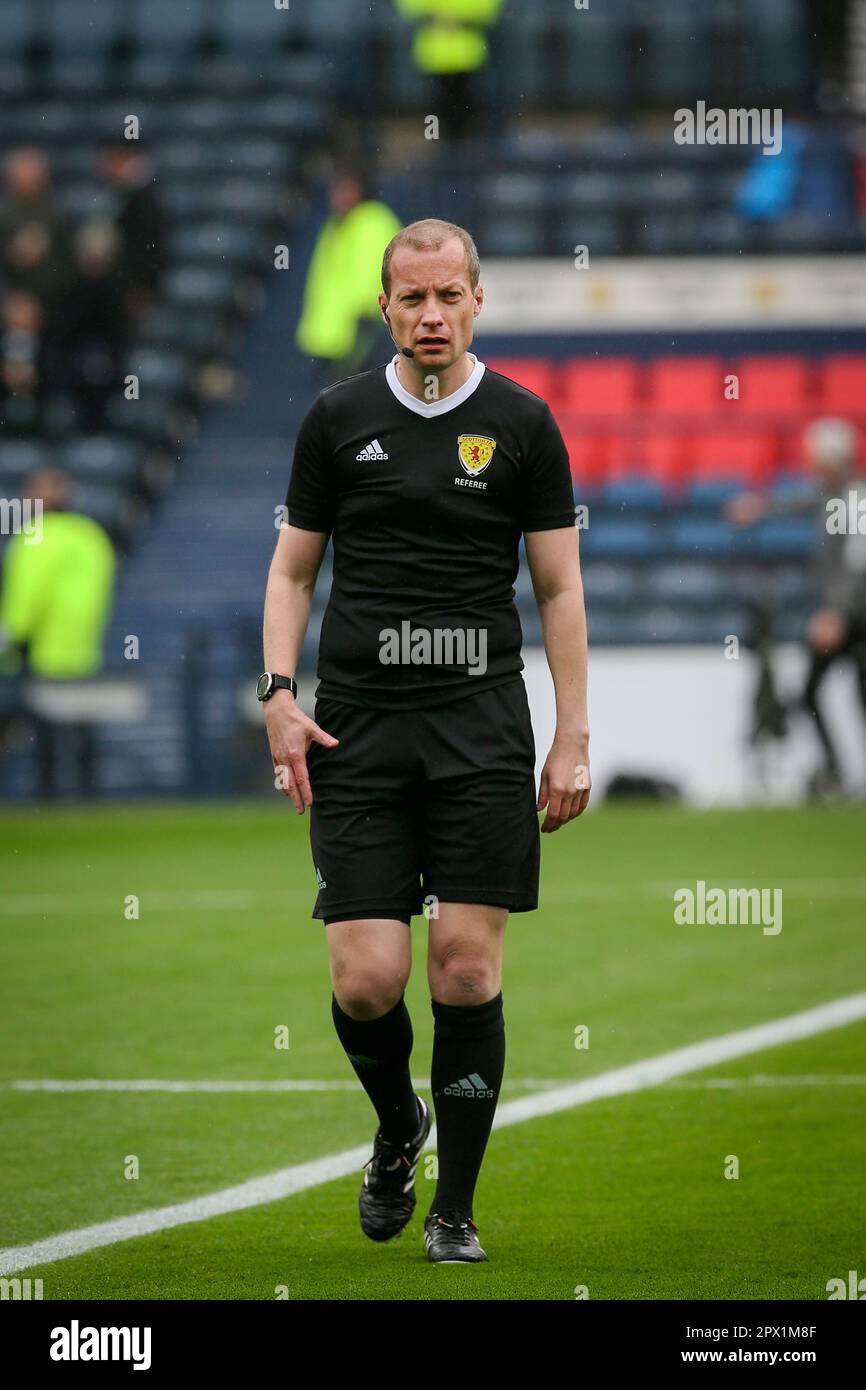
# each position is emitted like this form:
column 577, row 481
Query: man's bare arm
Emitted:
column 291, row 584
column 554, row 564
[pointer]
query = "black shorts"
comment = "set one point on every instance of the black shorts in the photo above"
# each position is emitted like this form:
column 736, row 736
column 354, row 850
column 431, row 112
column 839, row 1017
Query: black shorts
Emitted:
column 433, row 804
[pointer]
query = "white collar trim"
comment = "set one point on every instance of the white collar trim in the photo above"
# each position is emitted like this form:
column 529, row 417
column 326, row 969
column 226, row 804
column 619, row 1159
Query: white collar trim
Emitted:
column 429, row 408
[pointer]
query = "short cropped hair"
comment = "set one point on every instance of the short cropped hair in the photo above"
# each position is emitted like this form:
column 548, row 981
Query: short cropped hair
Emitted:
column 428, row 235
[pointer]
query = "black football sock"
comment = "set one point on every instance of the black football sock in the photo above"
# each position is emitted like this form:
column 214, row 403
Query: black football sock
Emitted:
column 379, row 1050
column 466, row 1076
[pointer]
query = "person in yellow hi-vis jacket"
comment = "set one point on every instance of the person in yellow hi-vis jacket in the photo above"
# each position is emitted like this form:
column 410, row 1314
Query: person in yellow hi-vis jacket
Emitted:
column 55, row 603
column 341, row 323
column 450, row 45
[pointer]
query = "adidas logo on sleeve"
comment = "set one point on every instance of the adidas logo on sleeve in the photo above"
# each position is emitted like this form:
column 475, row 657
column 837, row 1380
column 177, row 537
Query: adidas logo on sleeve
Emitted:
column 372, row 451
column 473, row 1087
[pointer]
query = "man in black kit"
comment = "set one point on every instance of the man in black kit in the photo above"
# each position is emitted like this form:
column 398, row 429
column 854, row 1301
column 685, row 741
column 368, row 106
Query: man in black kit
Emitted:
column 422, row 756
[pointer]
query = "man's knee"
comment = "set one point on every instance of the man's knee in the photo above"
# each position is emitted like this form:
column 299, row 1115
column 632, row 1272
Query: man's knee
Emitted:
column 464, row 971
column 367, row 989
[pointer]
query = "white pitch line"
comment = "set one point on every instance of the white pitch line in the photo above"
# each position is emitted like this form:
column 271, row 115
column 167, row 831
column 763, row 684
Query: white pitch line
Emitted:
column 724, row 1082
column 74, row 903
column 420, row 1083
column 300, row 1177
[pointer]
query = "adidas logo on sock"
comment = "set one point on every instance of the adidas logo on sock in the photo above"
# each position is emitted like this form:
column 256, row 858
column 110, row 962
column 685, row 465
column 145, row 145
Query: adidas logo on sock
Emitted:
column 473, row 1087
column 372, row 451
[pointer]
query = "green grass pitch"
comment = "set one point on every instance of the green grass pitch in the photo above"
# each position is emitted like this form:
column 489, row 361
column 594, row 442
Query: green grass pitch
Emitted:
column 626, row 1196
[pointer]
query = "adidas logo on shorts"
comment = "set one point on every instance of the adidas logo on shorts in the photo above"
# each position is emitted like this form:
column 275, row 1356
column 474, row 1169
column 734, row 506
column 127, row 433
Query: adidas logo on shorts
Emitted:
column 472, row 1087
column 372, row 451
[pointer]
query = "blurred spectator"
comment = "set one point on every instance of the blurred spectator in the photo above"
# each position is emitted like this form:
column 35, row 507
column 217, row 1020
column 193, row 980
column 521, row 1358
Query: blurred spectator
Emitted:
column 94, row 330
column 450, row 45
column 55, row 603
column 33, row 230
column 812, row 176
column 24, row 364
column 837, row 628
column 140, row 220
column 341, row 323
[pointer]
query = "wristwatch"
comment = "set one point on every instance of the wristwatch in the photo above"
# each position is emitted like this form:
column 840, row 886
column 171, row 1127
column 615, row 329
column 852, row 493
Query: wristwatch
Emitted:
column 268, row 682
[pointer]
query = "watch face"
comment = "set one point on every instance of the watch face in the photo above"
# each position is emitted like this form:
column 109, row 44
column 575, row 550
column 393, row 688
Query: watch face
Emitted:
column 263, row 685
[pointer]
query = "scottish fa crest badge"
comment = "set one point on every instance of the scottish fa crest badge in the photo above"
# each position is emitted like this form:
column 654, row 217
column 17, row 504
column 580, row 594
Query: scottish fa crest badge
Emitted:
column 475, row 452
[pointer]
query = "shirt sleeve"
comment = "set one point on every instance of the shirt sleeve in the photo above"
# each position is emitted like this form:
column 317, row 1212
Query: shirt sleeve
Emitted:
column 311, row 496
column 546, row 493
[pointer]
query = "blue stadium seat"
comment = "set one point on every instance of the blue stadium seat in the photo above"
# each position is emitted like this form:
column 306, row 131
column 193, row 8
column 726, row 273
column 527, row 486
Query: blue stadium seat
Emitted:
column 678, row 64
column 687, row 583
column 169, row 24
column 785, row 537
column 796, row 487
column 220, row 242
column 18, row 457
column 158, row 369
column 199, row 287
column 611, row 584
column 630, row 539
column 101, row 458
column 600, row 232
column 21, row 21
column 634, row 494
column 108, row 505
column 593, row 50
column 712, row 492
column 695, row 537
column 246, row 198
column 82, row 26
column 505, row 235
column 238, row 24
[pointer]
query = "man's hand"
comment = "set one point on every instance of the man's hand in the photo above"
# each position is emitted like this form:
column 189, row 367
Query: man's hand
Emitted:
column 290, row 733
column 826, row 630
column 565, row 782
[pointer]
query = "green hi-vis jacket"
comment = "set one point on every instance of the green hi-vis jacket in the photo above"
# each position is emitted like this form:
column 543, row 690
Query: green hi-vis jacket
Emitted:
column 343, row 281
column 450, row 36
column 56, row 594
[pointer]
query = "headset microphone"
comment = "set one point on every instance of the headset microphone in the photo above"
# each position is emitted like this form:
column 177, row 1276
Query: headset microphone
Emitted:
column 406, row 351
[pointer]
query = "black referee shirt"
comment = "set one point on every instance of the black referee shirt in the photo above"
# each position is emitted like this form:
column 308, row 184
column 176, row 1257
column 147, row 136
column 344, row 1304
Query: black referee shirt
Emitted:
column 426, row 503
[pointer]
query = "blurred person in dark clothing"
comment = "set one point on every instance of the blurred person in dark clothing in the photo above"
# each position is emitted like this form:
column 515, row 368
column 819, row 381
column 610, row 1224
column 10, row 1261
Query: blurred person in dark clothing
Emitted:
column 55, row 603
column 33, row 230
column 140, row 219
column 837, row 628
column 25, row 358
column 94, row 330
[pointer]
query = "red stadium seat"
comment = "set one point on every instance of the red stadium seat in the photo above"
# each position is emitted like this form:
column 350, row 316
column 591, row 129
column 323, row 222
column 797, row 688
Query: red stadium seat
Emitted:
column 655, row 454
column 686, row 385
column 535, row 373
column 601, row 385
column 842, row 385
column 588, row 455
column 750, row 457
column 773, row 385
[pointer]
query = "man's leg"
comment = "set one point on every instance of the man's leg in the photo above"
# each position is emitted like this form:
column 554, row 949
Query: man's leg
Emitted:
column 819, row 665
column 464, row 969
column 370, row 960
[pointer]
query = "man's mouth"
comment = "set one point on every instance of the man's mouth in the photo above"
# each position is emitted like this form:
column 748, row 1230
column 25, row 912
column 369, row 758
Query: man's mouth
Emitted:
column 432, row 341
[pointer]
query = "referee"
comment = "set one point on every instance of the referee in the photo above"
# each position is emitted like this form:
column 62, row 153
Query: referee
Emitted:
column 419, row 768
